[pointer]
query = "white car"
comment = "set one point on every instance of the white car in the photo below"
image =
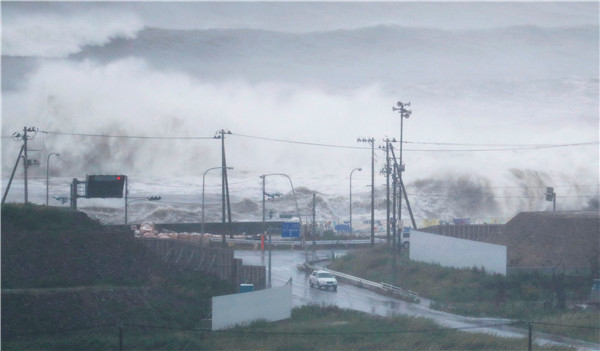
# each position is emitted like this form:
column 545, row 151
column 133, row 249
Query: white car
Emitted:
column 323, row 279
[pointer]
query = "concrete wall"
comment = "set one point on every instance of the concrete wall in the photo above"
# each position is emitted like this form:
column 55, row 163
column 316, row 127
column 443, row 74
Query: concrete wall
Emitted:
column 270, row 304
column 458, row 253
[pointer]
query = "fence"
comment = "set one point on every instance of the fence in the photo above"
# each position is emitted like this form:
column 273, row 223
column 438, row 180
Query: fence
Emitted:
column 476, row 232
column 298, row 243
column 215, row 261
column 125, row 336
column 385, row 288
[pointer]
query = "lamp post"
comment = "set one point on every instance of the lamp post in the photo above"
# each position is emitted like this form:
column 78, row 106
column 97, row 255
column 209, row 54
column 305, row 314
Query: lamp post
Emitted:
column 47, row 167
column 203, row 178
column 263, row 177
column 372, row 142
column 356, row 169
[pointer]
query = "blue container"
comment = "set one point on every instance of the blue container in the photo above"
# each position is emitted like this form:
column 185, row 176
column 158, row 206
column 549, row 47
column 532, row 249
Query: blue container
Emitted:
column 246, row 288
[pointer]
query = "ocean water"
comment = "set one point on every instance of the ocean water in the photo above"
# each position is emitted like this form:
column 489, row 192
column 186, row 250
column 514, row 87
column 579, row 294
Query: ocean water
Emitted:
column 504, row 101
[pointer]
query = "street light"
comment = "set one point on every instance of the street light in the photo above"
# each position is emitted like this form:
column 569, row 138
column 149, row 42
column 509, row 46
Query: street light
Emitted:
column 263, row 177
column 372, row 142
column 356, row 169
column 48, row 166
column 203, row 177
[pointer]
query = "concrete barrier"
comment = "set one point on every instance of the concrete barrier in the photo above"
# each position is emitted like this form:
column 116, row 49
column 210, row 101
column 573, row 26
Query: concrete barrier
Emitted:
column 457, row 253
column 238, row 309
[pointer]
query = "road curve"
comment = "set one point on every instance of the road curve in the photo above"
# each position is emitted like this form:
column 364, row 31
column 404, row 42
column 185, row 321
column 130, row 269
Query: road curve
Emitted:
column 284, row 264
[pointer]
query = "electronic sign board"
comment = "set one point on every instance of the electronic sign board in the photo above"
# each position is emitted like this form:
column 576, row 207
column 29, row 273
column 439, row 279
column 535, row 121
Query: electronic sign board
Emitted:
column 105, row 186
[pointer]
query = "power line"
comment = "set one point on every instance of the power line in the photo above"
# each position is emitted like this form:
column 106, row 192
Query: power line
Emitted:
column 476, row 144
column 506, row 147
column 535, row 147
column 128, row 136
column 498, row 197
column 302, row 142
column 497, row 147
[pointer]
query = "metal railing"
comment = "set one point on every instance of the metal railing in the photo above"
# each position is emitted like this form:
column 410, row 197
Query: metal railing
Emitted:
column 367, row 284
column 296, row 242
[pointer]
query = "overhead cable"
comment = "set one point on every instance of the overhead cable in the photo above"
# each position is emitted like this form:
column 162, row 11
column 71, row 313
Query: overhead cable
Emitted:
column 493, row 147
column 128, row 136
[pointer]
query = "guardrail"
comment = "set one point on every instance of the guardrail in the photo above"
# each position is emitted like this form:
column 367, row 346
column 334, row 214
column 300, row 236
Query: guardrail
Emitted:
column 297, row 242
column 386, row 289
column 397, row 290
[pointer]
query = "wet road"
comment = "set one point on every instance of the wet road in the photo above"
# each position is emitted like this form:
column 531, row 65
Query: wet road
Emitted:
column 284, row 264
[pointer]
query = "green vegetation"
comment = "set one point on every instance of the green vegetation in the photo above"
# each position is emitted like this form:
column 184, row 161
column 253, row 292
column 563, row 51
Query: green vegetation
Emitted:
column 528, row 297
column 68, row 283
column 61, row 270
column 45, row 247
column 310, row 328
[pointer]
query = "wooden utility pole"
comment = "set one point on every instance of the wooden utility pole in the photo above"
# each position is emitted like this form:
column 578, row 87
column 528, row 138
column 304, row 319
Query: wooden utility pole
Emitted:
column 225, row 204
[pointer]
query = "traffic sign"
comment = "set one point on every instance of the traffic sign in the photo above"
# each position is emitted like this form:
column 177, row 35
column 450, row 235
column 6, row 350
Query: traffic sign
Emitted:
column 290, row 229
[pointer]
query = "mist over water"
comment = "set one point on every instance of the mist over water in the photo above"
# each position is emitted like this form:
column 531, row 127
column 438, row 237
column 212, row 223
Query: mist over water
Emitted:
column 521, row 81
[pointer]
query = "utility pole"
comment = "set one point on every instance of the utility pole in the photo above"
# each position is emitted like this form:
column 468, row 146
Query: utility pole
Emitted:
column 387, row 189
column 264, row 230
column 314, row 212
column 387, row 172
column 12, row 174
column 410, row 213
column 18, row 136
column 25, row 162
column 224, row 182
column 404, row 113
column 401, row 189
column 372, row 142
column 394, row 226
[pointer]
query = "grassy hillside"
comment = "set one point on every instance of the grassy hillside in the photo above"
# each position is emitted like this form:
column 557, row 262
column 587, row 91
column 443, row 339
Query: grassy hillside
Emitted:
column 473, row 292
column 61, row 270
column 46, row 247
column 310, row 328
